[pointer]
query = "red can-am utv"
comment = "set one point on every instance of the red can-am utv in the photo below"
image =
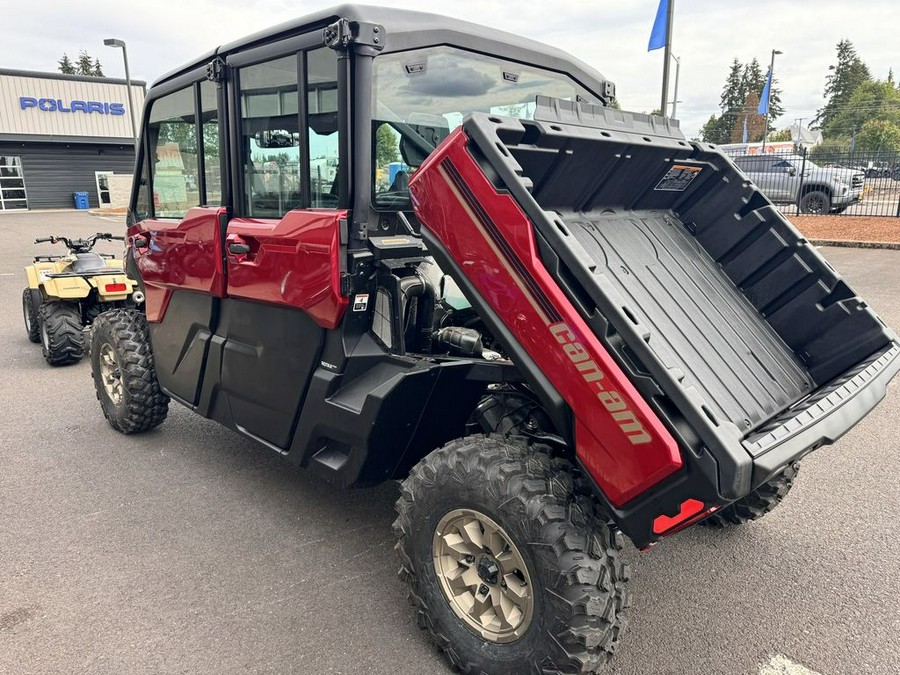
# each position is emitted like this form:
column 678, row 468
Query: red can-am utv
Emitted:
column 390, row 245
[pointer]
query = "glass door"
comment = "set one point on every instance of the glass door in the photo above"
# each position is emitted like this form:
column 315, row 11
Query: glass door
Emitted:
column 12, row 184
column 102, row 180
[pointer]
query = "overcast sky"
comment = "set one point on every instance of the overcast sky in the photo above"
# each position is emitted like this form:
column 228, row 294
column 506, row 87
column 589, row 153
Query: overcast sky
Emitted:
column 611, row 36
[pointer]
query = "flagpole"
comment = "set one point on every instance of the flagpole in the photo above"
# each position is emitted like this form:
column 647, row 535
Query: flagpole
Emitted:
column 670, row 11
column 769, row 97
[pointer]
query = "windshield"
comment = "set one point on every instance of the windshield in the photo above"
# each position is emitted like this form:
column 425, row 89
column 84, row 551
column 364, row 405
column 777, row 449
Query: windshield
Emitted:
column 420, row 96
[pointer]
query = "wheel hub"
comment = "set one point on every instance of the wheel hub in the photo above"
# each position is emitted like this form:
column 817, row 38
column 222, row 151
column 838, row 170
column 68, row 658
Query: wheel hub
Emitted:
column 483, row 575
column 111, row 374
column 488, row 569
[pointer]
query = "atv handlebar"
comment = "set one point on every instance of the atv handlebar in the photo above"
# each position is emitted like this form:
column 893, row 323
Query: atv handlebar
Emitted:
column 80, row 245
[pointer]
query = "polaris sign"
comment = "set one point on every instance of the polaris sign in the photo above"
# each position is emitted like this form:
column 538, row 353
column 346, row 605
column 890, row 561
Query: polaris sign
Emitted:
column 57, row 105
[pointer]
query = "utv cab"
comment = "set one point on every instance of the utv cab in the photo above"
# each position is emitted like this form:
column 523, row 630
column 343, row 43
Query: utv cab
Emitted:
column 392, row 245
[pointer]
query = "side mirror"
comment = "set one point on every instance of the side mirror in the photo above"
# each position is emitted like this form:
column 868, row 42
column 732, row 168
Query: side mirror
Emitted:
column 791, row 171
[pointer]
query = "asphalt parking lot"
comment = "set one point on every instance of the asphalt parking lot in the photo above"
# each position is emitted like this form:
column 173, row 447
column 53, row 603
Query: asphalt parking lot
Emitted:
column 192, row 550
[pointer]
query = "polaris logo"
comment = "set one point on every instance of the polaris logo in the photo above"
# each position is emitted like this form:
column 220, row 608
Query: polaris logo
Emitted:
column 594, row 377
column 57, row 105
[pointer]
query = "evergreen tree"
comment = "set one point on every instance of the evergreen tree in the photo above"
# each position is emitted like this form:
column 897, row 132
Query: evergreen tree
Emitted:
column 754, row 79
column 890, row 77
column 85, row 64
column 846, row 76
column 732, row 93
column 65, row 65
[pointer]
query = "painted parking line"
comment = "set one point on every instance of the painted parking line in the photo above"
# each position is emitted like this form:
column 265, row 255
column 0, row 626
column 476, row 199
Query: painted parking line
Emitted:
column 782, row 665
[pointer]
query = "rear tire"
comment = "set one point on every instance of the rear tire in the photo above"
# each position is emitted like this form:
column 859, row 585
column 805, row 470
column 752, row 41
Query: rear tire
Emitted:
column 758, row 503
column 62, row 341
column 815, row 202
column 30, row 313
column 123, row 373
column 566, row 561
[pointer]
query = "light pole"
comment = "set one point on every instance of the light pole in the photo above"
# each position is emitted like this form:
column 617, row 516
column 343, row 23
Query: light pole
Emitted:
column 769, row 96
column 112, row 42
column 675, row 97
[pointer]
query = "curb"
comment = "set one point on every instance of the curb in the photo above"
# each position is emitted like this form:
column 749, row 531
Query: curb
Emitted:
column 843, row 243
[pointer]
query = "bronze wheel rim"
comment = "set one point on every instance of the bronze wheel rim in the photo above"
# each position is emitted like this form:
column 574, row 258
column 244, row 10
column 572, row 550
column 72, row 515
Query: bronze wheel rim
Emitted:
column 483, row 575
column 111, row 374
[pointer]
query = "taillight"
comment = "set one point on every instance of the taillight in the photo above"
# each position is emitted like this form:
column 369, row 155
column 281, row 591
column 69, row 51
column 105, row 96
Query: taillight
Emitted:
column 688, row 510
column 116, row 288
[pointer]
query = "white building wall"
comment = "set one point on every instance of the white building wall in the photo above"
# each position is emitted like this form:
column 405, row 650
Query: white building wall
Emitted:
column 16, row 119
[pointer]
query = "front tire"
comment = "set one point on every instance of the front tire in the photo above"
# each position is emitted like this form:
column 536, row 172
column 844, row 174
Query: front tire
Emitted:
column 758, row 503
column 30, row 314
column 62, row 340
column 815, row 202
column 123, row 373
column 508, row 568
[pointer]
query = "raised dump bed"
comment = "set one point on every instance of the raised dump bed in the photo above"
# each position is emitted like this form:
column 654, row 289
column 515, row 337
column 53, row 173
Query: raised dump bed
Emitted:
column 740, row 335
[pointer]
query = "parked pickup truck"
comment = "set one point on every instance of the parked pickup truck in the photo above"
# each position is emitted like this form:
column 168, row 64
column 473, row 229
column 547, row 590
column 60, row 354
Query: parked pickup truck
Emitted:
column 791, row 179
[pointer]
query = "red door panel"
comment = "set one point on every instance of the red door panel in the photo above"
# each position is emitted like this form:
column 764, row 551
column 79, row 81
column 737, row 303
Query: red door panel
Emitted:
column 294, row 261
column 180, row 255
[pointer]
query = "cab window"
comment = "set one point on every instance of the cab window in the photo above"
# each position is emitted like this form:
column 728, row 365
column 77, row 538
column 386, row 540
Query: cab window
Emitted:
column 270, row 137
column 419, row 96
column 173, row 154
column 322, row 132
column 212, row 165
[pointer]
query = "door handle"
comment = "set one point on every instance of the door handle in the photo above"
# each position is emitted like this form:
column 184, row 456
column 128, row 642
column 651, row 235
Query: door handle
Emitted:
column 238, row 248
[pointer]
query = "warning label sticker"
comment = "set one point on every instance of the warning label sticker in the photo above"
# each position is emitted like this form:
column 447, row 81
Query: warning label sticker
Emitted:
column 678, row 178
column 360, row 302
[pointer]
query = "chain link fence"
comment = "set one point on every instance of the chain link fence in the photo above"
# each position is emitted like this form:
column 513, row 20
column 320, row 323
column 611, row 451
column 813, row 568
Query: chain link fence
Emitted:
column 824, row 182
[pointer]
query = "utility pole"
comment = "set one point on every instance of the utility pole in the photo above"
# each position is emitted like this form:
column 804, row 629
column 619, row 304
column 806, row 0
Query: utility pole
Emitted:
column 799, row 122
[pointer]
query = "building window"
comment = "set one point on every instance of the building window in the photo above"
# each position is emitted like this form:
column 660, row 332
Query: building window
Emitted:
column 173, row 154
column 270, row 137
column 12, row 184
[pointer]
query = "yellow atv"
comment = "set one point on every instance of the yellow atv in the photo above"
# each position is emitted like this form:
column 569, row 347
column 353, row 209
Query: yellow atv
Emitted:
column 67, row 292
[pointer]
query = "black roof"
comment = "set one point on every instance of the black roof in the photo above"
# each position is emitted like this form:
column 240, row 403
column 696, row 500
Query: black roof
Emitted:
column 76, row 78
column 406, row 29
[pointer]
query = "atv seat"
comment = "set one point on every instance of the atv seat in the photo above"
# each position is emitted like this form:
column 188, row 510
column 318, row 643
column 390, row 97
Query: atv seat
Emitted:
column 87, row 262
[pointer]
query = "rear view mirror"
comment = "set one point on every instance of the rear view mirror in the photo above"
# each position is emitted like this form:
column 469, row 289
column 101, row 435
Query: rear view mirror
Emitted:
column 276, row 138
column 791, row 171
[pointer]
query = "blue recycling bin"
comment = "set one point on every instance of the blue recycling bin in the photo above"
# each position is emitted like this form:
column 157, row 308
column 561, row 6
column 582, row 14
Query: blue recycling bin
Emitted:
column 81, row 200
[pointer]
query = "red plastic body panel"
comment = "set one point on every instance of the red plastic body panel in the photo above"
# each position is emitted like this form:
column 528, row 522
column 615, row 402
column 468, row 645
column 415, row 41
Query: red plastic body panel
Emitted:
column 619, row 439
column 294, row 261
column 185, row 254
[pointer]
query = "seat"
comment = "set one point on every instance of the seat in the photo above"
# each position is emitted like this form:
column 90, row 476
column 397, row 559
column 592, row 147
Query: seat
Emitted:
column 87, row 262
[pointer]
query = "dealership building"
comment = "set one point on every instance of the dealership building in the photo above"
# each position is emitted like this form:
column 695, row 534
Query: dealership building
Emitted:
column 61, row 134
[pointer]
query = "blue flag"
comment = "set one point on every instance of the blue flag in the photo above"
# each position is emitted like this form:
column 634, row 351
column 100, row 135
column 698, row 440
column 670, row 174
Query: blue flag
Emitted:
column 658, row 34
column 764, row 97
column 746, row 134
